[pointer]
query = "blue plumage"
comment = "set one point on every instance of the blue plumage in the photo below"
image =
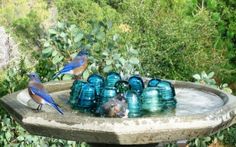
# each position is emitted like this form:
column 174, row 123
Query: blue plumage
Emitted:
column 39, row 93
column 76, row 66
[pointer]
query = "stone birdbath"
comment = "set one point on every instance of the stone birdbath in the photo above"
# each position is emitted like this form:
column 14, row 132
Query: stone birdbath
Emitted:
column 200, row 110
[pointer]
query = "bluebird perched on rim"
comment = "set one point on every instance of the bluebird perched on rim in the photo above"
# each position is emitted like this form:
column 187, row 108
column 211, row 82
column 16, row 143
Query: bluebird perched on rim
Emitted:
column 39, row 94
column 76, row 66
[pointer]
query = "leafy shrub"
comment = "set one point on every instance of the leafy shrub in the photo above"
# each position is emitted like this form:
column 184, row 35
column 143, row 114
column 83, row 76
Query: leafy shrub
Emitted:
column 168, row 34
column 107, row 52
column 28, row 29
column 226, row 136
column 14, row 79
column 12, row 134
column 172, row 45
column 10, row 11
column 80, row 12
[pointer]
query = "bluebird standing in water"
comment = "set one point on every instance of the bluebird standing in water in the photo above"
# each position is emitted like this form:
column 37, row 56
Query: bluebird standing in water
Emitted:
column 39, row 94
column 76, row 66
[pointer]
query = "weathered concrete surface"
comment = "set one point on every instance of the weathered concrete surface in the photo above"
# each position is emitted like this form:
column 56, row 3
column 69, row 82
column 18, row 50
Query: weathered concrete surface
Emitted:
column 8, row 49
column 77, row 126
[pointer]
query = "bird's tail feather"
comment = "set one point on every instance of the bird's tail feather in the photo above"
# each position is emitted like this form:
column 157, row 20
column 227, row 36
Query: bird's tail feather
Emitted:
column 57, row 108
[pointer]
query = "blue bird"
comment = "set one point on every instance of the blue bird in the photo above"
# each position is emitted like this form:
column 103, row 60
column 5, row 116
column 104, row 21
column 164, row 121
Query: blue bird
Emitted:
column 39, row 94
column 77, row 66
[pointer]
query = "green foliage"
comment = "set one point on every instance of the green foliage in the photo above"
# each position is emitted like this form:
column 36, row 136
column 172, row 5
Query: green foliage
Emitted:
column 14, row 79
column 24, row 17
column 168, row 40
column 80, row 12
column 226, row 136
column 107, row 52
column 174, row 38
column 207, row 79
column 12, row 134
column 200, row 142
column 11, row 11
column 28, row 27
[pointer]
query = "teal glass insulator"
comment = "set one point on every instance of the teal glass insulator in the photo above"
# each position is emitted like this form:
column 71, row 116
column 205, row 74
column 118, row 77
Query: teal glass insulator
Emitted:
column 107, row 94
column 87, row 98
column 97, row 81
column 151, row 100
column 170, row 104
column 170, row 107
column 153, row 82
column 75, row 91
column 134, row 104
column 166, row 90
column 136, row 84
column 122, row 86
column 112, row 78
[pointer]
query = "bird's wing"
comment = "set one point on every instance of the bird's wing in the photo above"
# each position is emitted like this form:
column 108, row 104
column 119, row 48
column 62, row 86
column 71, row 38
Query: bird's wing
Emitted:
column 39, row 91
column 73, row 64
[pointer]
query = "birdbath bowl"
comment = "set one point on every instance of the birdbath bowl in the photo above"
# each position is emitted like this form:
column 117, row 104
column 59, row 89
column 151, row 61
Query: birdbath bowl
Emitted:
column 200, row 110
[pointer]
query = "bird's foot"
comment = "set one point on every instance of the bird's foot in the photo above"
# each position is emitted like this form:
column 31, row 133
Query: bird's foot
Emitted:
column 36, row 110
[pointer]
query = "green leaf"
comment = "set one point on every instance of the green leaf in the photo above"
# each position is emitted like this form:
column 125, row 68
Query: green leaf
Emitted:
column 7, row 121
column 212, row 4
column 60, row 25
column 72, row 27
column 122, row 61
column 116, row 56
column 85, row 74
column 197, row 77
column 133, row 51
column 197, row 142
column 52, row 31
column 220, row 137
column 47, row 51
column 78, row 37
column 134, row 60
column 107, row 68
column 109, row 62
column 210, row 75
column 63, row 35
column 57, row 59
column 54, row 53
column 207, row 139
column 73, row 55
column 20, row 138
column 109, row 25
column 100, row 35
column 105, row 53
column 8, row 135
column 115, row 37
column 46, row 44
column 204, row 75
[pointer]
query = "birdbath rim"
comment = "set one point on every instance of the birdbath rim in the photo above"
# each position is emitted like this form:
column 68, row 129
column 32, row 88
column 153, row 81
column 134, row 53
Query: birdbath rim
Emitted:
column 127, row 131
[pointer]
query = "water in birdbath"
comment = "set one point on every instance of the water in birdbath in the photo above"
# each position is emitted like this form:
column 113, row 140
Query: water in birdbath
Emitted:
column 189, row 102
column 192, row 102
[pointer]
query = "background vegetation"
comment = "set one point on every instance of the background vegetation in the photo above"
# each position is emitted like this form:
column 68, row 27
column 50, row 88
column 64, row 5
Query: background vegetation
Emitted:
column 164, row 38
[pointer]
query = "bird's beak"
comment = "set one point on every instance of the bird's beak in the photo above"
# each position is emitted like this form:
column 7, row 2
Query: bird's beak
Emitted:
column 28, row 74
